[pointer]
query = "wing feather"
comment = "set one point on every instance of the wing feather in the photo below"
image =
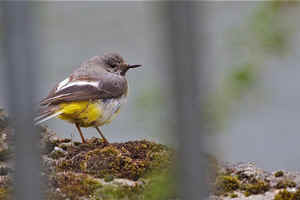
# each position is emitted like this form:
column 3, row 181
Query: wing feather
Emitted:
column 106, row 85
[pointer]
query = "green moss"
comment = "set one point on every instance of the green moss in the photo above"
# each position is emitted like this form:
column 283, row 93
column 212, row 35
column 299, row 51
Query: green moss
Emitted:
column 63, row 146
column 5, row 154
column 279, row 174
column 74, row 186
column 57, row 154
column 76, row 143
column 283, row 184
column 5, row 193
column 108, row 178
column 259, row 187
column 158, row 187
column 130, row 160
column 296, row 195
column 110, row 192
column 233, row 195
column 225, row 184
column 247, row 194
column 4, row 121
column 286, row 195
column 283, row 195
column 161, row 186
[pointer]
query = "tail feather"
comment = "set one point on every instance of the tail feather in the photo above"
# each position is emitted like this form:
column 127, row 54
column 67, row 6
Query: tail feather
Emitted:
column 47, row 113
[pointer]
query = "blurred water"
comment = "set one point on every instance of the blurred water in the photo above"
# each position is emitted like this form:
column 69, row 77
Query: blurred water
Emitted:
column 264, row 130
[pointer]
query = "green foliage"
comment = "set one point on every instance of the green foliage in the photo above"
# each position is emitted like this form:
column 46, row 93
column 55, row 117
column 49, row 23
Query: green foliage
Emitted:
column 270, row 36
column 241, row 79
column 262, row 35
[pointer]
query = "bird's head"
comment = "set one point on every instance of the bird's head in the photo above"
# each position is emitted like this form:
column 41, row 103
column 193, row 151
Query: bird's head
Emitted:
column 114, row 63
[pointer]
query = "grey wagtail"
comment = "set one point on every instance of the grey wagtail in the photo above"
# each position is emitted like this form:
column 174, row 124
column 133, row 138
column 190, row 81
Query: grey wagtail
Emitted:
column 91, row 96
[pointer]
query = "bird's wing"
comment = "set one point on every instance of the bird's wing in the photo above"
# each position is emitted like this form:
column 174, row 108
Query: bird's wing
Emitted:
column 81, row 88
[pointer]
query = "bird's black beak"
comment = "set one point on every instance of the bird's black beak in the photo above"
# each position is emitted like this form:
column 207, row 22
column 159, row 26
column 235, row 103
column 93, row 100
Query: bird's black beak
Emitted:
column 127, row 67
column 133, row 66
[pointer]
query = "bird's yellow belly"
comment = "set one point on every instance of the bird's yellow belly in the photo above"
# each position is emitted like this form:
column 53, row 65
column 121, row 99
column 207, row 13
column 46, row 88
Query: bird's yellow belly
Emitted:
column 90, row 113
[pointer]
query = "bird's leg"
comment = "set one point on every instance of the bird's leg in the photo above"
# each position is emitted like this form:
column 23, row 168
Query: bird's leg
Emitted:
column 101, row 134
column 79, row 130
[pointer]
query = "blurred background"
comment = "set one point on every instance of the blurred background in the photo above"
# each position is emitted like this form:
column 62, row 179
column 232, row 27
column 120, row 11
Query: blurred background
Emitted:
column 250, row 64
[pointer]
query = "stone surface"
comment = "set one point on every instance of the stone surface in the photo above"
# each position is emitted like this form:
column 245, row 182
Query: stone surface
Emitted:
column 253, row 182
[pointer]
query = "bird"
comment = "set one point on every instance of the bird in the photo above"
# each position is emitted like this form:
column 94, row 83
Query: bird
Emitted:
column 91, row 96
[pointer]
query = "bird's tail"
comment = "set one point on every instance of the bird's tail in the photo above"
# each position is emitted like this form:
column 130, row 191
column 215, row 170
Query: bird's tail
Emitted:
column 46, row 113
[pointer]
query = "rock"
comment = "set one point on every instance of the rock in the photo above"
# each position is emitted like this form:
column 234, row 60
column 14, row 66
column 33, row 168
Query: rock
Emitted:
column 90, row 171
column 246, row 181
column 3, row 120
column 96, row 170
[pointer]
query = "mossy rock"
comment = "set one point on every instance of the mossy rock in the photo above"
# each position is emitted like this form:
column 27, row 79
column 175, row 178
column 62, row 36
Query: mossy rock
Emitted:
column 233, row 195
column 111, row 192
column 279, row 173
column 260, row 187
column 130, row 160
column 4, row 121
column 283, row 195
column 286, row 195
column 5, row 193
column 75, row 186
column 296, row 195
column 225, row 184
column 72, row 186
column 283, row 184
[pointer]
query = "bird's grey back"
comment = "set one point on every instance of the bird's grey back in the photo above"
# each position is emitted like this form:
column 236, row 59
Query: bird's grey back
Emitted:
column 93, row 68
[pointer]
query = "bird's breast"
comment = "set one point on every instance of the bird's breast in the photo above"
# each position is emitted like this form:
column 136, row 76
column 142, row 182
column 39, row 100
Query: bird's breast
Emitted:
column 110, row 109
column 92, row 113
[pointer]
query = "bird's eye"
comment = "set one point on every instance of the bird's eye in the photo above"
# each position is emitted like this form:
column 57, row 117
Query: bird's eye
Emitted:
column 113, row 65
